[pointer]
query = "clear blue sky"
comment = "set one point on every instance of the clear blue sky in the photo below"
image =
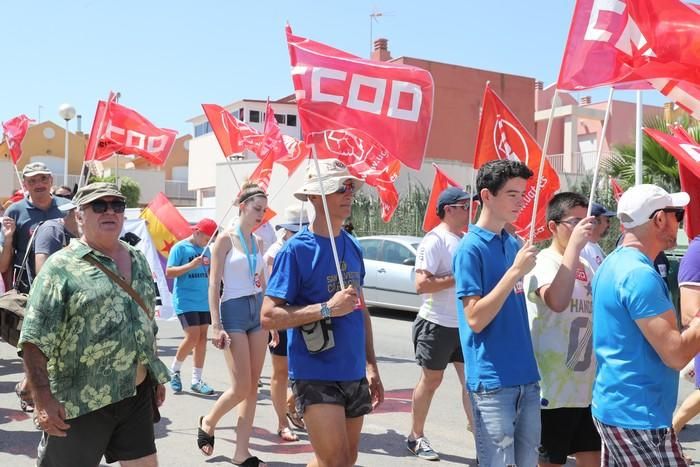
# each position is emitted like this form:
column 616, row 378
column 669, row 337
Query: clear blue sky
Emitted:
column 168, row 57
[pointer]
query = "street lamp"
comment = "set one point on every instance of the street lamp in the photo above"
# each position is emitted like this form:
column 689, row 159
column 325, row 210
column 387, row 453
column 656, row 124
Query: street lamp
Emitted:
column 67, row 113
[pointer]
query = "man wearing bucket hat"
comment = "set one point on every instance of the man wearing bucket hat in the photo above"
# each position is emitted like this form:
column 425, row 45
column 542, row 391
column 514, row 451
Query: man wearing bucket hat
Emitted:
column 188, row 264
column 88, row 343
column 332, row 365
column 636, row 341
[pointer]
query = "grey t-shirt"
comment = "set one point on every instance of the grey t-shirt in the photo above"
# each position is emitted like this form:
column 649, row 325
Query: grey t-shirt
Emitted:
column 51, row 236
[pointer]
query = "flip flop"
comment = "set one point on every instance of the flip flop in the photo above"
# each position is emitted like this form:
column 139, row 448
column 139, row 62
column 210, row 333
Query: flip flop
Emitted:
column 204, row 439
column 287, row 434
column 296, row 420
column 250, row 462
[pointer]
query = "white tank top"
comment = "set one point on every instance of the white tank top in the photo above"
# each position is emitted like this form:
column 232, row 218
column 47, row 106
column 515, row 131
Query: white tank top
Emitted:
column 237, row 278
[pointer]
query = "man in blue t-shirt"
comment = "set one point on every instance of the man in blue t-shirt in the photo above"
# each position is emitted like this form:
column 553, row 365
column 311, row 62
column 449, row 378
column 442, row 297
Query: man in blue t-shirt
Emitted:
column 502, row 376
column 636, row 340
column 332, row 365
column 188, row 264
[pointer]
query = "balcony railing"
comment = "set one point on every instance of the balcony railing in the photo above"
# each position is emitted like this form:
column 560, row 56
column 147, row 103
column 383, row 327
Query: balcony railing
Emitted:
column 178, row 189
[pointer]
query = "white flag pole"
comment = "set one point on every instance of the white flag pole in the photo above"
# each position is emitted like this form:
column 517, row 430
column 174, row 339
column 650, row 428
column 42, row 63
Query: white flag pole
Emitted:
column 638, row 148
column 594, row 183
column 541, row 168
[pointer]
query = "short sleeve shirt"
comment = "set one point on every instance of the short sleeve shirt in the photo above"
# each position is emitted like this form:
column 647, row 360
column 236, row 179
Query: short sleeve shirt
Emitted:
column 51, row 236
column 593, row 254
column 562, row 340
column 92, row 332
column 190, row 290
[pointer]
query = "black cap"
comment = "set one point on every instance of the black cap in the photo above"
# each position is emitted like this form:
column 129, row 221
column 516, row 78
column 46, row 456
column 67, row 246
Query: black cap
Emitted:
column 451, row 195
column 600, row 210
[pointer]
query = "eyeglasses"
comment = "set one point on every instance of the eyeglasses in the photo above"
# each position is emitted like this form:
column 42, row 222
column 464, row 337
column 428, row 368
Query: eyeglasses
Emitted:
column 679, row 212
column 464, row 207
column 62, row 195
column 100, row 206
column 345, row 187
column 570, row 222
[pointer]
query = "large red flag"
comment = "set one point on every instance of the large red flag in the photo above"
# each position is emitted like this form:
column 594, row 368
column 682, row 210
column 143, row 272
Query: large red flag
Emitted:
column 391, row 103
column 297, row 152
column 440, row 183
column 502, row 136
column 119, row 129
column 15, row 129
column 232, row 134
column 687, row 152
column 272, row 142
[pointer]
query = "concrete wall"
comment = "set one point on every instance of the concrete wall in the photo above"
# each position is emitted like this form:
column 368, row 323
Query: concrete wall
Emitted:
column 150, row 182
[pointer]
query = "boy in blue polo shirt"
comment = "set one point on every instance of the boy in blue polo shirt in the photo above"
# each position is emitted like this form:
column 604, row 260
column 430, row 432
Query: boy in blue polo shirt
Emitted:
column 502, row 376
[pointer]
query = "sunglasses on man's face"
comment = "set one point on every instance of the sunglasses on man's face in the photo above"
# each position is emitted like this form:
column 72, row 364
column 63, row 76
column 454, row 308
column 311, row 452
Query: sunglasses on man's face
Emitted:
column 346, row 187
column 100, row 206
column 679, row 212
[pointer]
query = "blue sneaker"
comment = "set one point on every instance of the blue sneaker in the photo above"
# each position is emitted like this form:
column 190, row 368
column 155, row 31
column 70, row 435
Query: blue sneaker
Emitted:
column 175, row 382
column 202, row 388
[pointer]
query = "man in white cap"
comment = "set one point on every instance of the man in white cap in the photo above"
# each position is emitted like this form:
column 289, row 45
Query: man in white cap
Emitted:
column 332, row 365
column 636, row 340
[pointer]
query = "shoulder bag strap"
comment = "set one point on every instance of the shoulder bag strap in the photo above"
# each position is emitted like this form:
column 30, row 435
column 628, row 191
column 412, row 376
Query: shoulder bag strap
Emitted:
column 119, row 281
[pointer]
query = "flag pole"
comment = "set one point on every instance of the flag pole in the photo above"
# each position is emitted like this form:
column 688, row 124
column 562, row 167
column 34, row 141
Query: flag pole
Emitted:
column 600, row 151
column 541, row 168
column 328, row 218
column 19, row 178
column 638, row 148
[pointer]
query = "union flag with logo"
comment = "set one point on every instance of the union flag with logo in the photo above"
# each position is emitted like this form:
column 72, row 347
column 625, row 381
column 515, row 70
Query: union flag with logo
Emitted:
column 502, row 136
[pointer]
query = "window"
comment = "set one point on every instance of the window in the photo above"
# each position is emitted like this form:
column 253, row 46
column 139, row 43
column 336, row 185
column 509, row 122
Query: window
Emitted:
column 241, row 114
column 254, row 116
column 281, row 119
column 202, row 129
column 291, row 120
column 371, row 248
column 397, row 253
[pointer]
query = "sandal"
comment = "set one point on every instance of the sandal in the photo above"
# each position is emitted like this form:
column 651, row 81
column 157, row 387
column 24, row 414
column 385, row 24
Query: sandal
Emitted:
column 287, row 434
column 296, row 420
column 25, row 398
column 204, row 439
column 250, row 462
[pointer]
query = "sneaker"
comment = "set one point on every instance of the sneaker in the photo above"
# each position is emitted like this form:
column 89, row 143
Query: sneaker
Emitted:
column 202, row 388
column 175, row 381
column 421, row 448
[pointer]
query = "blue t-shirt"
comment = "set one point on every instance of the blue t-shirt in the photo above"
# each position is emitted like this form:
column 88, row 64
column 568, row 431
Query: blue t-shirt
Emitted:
column 689, row 275
column 190, row 290
column 501, row 355
column 633, row 387
column 303, row 274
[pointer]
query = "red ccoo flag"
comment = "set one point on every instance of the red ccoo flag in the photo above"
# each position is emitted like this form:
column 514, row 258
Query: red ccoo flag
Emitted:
column 272, row 142
column 336, row 91
column 119, row 129
column 15, row 129
column 616, row 188
column 297, row 152
column 263, row 172
column 502, row 136
column 232, row 134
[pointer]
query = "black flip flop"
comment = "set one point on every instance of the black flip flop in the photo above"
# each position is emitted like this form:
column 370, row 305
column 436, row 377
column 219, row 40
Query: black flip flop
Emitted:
column 204, row 439
column 250, row 462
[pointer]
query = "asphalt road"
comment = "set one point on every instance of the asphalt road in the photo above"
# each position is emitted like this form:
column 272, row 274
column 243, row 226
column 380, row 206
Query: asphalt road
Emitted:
column 383, row 434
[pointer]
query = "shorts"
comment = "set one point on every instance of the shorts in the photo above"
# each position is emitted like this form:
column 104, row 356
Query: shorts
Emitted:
column 281, row 348
column 119, row 431
column 354, row 396
column 435, row 346
column 565, row 431
column 194, row 318
column 241, row 314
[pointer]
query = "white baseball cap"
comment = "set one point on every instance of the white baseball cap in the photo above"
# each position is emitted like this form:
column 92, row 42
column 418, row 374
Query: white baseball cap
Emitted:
column 640, row 202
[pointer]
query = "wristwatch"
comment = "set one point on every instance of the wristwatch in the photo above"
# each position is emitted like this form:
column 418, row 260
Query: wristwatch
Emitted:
column 325, row 310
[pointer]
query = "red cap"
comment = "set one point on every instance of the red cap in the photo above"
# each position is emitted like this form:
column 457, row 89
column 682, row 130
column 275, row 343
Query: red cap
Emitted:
column 206, row 226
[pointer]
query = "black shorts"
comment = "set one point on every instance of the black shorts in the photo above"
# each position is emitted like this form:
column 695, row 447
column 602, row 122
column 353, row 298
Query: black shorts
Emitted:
column 119, row 431
column 435, row 346
column 194, row 318
column 281, row 348
column 353, row 395
column 566, row 431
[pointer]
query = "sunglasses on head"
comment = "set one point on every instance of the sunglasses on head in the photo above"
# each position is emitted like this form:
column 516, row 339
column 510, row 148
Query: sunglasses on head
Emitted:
column 679, row 212
column 345, row 187
column 100, row 206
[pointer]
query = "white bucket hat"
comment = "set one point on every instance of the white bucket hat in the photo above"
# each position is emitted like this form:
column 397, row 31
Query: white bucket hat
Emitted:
column 334, row 174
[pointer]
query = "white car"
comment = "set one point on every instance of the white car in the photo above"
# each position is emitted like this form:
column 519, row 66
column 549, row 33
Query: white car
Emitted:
column 390, row 274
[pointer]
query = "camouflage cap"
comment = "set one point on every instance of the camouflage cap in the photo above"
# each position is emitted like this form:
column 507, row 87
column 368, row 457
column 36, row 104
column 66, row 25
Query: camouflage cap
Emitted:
column 94, row 191
column 35, row 168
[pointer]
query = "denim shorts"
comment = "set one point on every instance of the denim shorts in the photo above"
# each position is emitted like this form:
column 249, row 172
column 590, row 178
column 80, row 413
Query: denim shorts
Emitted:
column 241, row 314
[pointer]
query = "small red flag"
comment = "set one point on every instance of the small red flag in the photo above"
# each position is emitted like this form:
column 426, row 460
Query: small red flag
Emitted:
column 440, row 183
column 232, row 134
column 15, row 130
column 617, row 189
column 297, row 152
column 272, row 142
column 263, row 172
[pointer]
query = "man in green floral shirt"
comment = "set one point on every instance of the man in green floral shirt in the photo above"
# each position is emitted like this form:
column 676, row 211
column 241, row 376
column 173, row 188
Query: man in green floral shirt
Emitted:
column 89, row 348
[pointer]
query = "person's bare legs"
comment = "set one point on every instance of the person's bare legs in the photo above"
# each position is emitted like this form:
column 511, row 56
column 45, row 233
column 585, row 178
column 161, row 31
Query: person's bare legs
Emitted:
column 466, row 401
column 278, row 390
column 588, row 459
column 148, row 461
column 422, row 397
column 189, row 342
column 257, row 345
column 688, row 409
column 335, row 439
column 200, row 348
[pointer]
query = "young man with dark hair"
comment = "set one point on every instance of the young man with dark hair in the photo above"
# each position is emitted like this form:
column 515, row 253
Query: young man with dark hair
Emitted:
column 502, row 375
column 559, row 304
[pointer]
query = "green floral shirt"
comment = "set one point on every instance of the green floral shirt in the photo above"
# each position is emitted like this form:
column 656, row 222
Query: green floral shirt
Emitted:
column 90, row 330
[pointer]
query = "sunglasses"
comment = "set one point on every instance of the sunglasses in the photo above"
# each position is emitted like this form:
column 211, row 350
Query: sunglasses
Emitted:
column 101, row 206
column 463, row 207
column 346, row 187
column 680, row 213
column 62, row 195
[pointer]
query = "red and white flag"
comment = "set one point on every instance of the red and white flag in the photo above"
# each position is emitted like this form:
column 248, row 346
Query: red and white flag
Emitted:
column 15, row 129
column 687, row 152
column 502, row 136
column 263, row 172
column 337, row 91
column 119, row 129
column 272, row 142
column 297, row 152
column 616, row 188
column 232, row 134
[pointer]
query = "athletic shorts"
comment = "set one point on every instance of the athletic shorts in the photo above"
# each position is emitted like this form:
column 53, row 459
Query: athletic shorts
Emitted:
column 435, row 346
column 354, row 396
column 565, row 431
column 194, row 318
column 241, row 314
column 119, row 431
column 281, row 348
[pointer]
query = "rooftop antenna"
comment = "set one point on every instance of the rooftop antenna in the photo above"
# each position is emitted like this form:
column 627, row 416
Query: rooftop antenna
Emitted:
column 372, row 18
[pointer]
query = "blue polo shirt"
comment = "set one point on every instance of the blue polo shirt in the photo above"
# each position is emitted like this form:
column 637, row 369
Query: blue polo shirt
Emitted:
column 501, row 355
column 633, row 387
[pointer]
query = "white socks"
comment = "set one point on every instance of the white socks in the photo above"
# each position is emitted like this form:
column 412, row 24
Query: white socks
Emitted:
column 176, row 365
column 196, row 375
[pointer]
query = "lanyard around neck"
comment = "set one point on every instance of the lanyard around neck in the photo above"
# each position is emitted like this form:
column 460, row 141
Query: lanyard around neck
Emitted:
column 252, row 258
